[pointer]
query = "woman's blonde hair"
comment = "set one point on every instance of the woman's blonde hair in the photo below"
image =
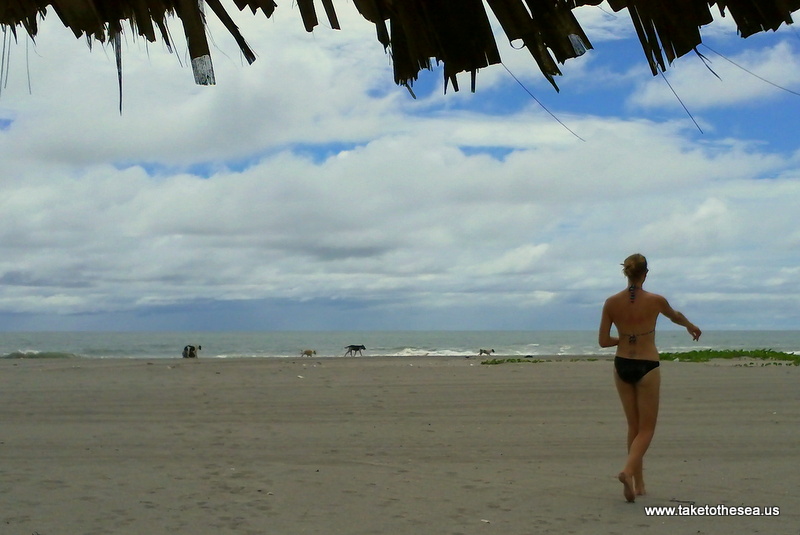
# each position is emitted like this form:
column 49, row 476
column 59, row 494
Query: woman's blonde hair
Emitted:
column 635, row 266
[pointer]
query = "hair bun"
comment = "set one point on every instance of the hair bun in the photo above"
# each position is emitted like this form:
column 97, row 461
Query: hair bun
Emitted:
column 635, row 266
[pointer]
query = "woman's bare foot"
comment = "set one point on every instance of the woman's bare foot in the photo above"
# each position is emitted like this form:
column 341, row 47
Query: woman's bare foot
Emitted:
column 627, row 486
column 638, row 485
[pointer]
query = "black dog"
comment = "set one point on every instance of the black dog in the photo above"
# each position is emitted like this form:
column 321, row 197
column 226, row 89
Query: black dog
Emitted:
column 354, row 349
column 190, row 352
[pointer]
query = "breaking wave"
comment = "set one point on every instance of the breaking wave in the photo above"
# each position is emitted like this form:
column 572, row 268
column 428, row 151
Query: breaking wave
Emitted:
column 39, row 355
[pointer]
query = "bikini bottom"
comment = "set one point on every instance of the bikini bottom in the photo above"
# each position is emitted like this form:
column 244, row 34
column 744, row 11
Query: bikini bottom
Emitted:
column 632, row 370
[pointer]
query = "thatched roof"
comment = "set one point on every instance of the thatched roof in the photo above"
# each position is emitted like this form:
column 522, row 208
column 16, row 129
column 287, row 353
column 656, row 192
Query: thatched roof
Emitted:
column 455, row 33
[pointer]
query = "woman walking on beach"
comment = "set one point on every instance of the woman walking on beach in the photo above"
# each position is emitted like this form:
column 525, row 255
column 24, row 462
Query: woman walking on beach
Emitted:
column 634, row 313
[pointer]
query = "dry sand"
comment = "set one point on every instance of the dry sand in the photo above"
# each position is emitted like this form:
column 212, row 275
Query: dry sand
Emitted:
column 387, row 446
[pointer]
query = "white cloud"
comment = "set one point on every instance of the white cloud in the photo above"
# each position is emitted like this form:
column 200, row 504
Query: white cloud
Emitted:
column 601, row 23
column 749, row 78
column 309, row 176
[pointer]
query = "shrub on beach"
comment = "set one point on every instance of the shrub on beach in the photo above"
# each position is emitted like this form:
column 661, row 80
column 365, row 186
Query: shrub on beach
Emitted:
column 704, row 355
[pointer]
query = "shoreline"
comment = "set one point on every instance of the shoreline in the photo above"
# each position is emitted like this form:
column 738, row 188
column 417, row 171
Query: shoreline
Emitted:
column 446, row 360
column 379, row 445
column 446, row 344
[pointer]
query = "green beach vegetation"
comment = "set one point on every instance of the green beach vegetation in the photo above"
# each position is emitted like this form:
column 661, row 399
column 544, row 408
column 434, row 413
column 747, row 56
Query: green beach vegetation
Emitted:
column 766, row 356
column 492, row 362
column 705, row 355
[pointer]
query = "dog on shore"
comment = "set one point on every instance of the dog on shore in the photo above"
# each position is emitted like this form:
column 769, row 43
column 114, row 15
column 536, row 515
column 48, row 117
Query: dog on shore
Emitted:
column 307, row 353
column 482, row 352
column 353, row 349
column 190, row 352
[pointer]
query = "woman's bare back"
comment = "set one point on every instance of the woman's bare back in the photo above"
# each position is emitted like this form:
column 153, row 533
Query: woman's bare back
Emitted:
column 635, row 313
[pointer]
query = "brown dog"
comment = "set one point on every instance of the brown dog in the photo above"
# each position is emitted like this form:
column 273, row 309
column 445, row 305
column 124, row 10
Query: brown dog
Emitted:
column 307, row 353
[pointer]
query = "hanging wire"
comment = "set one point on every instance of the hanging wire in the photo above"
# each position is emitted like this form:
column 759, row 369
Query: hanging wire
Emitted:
column 540, row 103
column 707, row 63
column 663, row 76
column 750, row 72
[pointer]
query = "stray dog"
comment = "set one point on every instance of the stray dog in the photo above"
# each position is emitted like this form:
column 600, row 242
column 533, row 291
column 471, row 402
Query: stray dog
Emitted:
column 307, row 352
column 485, row 352
column 354, row 349
column 190, row 352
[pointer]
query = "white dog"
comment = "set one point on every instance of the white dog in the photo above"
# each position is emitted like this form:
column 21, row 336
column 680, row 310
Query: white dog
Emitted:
column 190, row 352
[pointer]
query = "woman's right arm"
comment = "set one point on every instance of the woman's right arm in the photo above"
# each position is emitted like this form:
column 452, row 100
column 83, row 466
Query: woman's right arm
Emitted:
column 679, row 319
column 604, row 337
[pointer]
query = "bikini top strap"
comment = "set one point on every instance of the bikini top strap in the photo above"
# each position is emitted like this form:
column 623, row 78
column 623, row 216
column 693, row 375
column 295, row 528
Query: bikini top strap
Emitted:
column 638, row 334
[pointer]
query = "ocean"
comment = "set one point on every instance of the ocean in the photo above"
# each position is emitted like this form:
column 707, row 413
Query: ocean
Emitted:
column 220, row 345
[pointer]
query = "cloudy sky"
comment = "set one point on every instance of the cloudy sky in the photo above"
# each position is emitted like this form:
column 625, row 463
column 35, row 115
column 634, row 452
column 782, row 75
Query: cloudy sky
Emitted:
column 307, row 191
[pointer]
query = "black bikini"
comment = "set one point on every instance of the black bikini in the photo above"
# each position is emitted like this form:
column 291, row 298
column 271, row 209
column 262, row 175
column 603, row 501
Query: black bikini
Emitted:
column 633, row 370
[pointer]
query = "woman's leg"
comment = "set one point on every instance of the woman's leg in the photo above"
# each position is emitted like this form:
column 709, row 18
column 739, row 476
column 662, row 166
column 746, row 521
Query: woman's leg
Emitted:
column 640, row 403
column 627, row 395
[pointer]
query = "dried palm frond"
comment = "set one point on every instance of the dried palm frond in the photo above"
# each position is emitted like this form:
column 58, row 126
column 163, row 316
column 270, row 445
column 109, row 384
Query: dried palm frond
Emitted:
column 455, row 33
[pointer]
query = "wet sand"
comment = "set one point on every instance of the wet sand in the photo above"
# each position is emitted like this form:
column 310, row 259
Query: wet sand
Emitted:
column 394, row 446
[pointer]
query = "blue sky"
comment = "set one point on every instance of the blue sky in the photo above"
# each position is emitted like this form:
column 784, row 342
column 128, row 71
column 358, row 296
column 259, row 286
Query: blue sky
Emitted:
column 307, row 191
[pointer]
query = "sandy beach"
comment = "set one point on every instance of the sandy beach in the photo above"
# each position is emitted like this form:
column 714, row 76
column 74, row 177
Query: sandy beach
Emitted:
column 393, row 446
